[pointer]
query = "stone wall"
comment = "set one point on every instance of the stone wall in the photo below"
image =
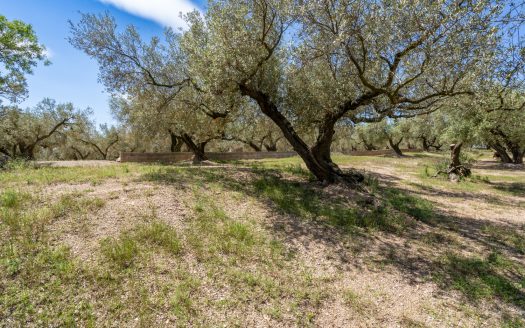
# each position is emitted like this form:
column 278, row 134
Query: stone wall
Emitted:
column 186, row 156
column 232, row 156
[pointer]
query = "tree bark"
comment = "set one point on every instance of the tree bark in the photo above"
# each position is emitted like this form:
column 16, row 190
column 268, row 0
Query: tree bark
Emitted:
column 368, row 146
column 424, row 143
column 517, row 156
column 78, row 153
column 395, row 146
column 27, row 151
column 270, row 147
column 455, row 152
column 250, row 143
column 512, row 147
column 176, row 142
column 317, row 159
column 254, row 146
column 197, row 150
column 501, row 151
column 456, row 170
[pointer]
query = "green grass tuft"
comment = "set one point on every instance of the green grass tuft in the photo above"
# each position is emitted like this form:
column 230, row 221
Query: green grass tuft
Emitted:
column 161, row 235
column 120, row 251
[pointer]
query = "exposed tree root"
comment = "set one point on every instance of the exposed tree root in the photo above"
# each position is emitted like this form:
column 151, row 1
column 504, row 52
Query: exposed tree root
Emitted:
column 455, row 173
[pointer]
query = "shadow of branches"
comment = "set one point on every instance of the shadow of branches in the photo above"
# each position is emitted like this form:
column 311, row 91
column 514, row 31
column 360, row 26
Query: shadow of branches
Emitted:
column 394, row 227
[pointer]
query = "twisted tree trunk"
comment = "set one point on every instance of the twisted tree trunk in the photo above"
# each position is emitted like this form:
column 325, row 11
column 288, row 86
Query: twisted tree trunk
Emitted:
column 27, row 151
column 395, row 146
column 501, row 151
column 317, row 159
column 424, row 142
column 78, row 154
column 250, row 143
column 176, row 142
column 456, row 170
column 270, row 147
column 517, row 155
column 196, row 149
column 511, row 146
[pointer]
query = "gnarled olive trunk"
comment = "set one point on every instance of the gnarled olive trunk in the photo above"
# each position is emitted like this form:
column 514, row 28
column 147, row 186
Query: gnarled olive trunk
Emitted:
column 270, row 147
column 254, row 146
column 317, row 159
column 517, row 155
column 250, row 143
column 456, row 170
column 27, row 151
column 424, row 143
column 176, row 142
column 501, row 152
column 78, row 155
column 395, row 146
column 368, row 146
column 511, row 146
column 196, row 149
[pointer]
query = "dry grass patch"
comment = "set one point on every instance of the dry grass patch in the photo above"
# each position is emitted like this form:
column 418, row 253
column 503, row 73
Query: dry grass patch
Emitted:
column 149, row 245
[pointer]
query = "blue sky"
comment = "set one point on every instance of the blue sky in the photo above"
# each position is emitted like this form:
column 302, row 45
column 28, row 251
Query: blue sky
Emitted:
column 73, row 76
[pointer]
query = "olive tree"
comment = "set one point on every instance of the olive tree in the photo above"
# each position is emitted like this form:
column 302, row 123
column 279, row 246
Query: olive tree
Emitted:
column 504, row 132
column 24, row 131
column 20, row 52
column 316, row 63
column 428, row 130
column 395, row 132
column 155, row 79
column 102, row 140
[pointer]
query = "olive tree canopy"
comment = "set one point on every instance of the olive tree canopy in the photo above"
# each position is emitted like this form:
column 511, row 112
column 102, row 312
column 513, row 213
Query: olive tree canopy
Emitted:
column 316, row 63
column 20, row 51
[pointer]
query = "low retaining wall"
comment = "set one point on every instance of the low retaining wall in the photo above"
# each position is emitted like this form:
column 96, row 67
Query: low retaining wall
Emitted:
column 186, row 156
column 378, row 152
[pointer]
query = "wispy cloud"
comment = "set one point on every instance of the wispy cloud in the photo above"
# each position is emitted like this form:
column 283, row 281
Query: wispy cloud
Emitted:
column 165, row 12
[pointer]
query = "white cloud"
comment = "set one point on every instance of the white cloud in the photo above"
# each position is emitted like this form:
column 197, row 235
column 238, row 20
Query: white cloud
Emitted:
column 165, row 12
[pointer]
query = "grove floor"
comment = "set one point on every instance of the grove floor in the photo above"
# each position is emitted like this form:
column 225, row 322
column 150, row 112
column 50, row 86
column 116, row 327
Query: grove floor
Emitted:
column 259, row 244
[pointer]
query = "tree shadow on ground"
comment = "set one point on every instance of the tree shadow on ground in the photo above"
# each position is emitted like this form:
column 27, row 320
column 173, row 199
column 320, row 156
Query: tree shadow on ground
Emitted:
column 394, row 228
column 496, row 165
column 513, row 188
column 465, row 195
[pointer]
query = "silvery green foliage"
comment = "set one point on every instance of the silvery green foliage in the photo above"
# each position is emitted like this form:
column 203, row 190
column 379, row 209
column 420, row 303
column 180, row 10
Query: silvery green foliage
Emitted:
column 127, row 63
column 322, row 57
column 20, row 52
column 23, row 132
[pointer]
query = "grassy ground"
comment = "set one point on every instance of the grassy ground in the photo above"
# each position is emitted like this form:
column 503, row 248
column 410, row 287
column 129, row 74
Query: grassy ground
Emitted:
column 259, row 244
